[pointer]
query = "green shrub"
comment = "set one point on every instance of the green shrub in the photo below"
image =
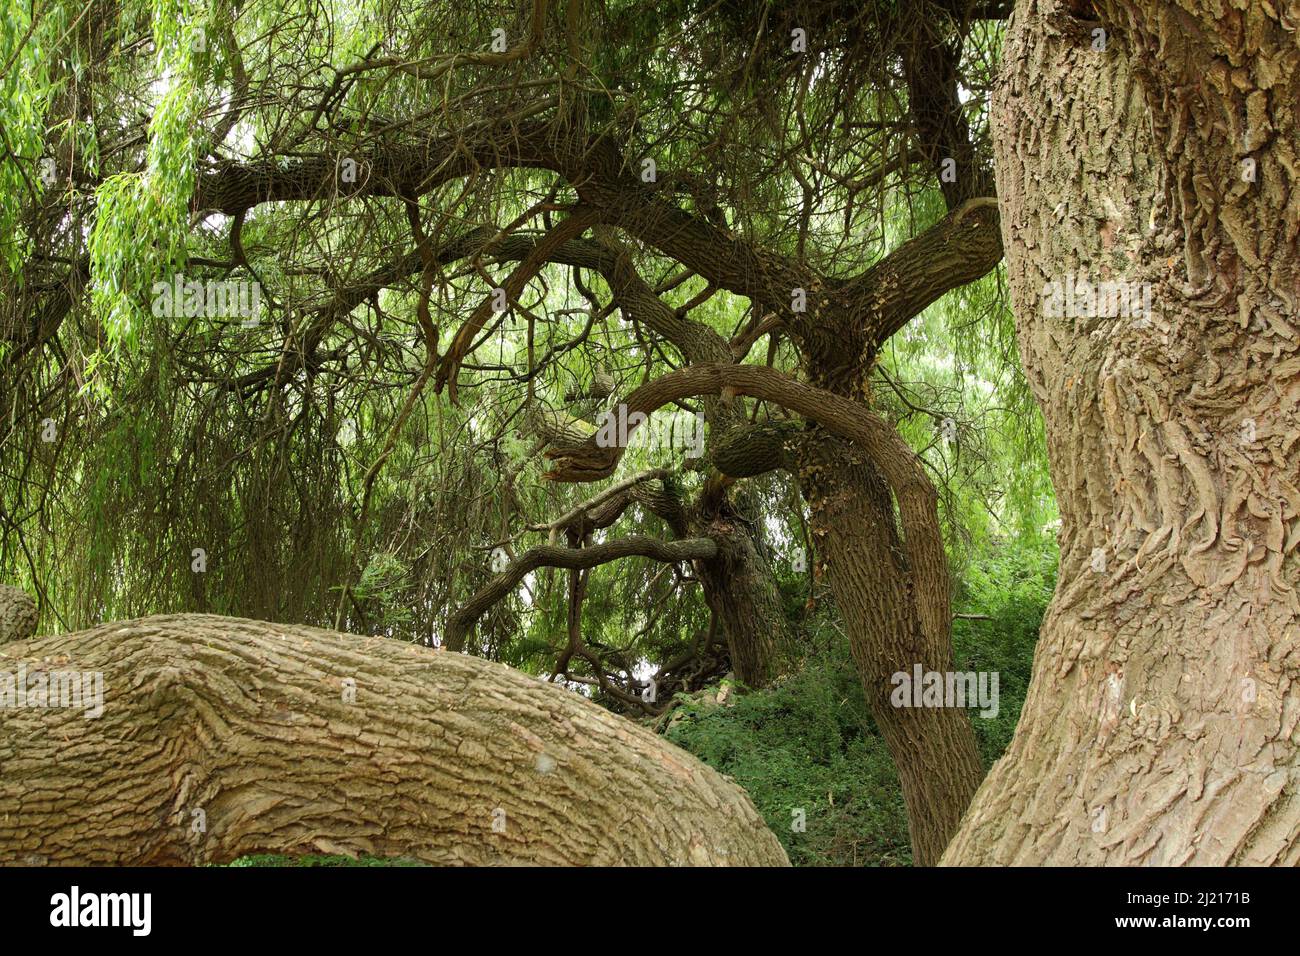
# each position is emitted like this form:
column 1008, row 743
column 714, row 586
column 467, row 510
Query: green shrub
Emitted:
column 809, row 742
column 1010, row 588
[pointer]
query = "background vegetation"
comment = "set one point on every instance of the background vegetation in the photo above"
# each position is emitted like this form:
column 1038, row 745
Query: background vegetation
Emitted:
column 325, row 485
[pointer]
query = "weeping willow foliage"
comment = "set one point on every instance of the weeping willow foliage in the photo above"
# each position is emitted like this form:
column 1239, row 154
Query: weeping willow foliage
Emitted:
column 154, row 461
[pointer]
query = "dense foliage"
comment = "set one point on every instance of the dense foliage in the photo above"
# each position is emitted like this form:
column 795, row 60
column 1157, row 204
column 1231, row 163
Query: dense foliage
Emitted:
column 448, row 307
column 810, row 744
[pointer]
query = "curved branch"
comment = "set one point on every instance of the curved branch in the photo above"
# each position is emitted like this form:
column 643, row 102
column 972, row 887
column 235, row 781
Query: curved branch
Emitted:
column 572, row 227
column 915, row 493
column 958, row 249
column 548, row 556
column 583, row 508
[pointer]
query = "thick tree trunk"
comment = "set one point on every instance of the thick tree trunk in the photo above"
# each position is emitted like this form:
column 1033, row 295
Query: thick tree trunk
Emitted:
column 221, row 737
column 875, row 589
column 1162, row 721
column 740, row 589
column 738, row 583
column 892, row 590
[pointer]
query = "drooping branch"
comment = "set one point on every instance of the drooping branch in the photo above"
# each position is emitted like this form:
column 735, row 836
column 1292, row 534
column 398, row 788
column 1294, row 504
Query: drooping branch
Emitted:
column 594, row 166
column 912, row 488
column 549, row 556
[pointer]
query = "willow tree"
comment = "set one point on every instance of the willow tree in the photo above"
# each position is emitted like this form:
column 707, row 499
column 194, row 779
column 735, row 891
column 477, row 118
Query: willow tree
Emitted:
column 444, row 208
column 1155, row 144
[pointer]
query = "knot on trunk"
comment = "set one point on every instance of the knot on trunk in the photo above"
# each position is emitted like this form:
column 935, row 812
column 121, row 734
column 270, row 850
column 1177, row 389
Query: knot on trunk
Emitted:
column 17, row 614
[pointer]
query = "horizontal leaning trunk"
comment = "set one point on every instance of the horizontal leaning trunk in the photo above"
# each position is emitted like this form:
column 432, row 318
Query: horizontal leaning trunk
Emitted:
column 221, row 737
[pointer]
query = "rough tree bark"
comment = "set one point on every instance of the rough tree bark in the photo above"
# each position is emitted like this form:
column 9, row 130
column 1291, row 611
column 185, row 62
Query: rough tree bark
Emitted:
column 17, row 614
column 739, row 588
column 895, row 621
column 441, row 757
column 897, row 608
column 1162, row 721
